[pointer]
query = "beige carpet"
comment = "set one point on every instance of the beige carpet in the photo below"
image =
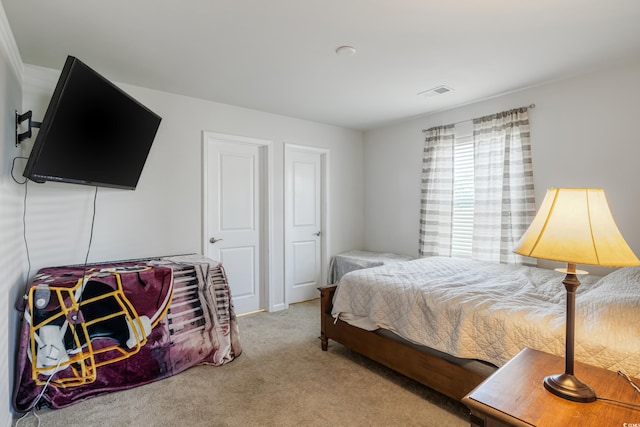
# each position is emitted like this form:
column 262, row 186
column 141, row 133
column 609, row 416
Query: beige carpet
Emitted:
column 281, row 379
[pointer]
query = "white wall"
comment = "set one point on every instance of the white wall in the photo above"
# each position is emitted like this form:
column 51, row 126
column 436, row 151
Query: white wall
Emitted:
column 584, row 133
column 163, row 215
column 12, row 259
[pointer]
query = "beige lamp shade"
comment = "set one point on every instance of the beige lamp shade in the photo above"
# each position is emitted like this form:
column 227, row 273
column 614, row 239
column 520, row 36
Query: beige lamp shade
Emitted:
column 575, row 225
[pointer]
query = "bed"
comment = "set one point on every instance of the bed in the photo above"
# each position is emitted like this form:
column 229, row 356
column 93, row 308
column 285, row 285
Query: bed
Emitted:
column 114, row 326
column 449, row 323
column 355, row 259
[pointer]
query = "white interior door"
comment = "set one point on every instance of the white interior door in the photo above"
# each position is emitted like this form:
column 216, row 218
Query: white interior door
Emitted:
column 304, row 186
column 233, row 222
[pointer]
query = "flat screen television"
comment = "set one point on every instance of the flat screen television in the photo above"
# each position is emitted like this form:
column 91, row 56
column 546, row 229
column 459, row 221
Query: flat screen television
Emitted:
column 92, row 133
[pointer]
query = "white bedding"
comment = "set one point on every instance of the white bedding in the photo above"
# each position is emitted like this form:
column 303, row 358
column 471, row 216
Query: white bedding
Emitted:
column 489, row 312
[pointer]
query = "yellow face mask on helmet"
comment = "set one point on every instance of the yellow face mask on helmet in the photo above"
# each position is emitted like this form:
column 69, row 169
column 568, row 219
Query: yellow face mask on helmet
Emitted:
column 75, row 330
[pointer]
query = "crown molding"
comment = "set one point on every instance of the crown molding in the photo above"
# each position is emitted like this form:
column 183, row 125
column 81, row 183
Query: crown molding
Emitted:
column 8, row 46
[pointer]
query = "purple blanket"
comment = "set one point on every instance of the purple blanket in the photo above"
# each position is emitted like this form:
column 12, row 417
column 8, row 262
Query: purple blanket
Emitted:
column 119, row 325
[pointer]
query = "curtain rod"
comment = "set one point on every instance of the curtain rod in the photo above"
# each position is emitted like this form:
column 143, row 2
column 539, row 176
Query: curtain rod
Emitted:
column 530, row 106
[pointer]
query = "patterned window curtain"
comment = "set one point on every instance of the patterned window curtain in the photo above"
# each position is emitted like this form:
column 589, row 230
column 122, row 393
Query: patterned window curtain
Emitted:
column 436, row 205
column 504, row 194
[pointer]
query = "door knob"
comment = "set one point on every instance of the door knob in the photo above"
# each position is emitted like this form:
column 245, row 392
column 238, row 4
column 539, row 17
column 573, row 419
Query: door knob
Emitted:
column 214, row 240
column 317, row 234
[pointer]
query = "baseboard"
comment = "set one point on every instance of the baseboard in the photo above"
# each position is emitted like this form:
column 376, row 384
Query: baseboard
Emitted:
column 279, row 307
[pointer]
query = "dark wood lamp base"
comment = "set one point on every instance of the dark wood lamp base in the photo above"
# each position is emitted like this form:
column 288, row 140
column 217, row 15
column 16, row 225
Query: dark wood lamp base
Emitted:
column 569, row 387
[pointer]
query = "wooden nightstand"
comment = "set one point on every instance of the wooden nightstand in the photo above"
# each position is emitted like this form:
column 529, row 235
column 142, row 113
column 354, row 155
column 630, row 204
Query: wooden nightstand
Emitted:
column 515, row 396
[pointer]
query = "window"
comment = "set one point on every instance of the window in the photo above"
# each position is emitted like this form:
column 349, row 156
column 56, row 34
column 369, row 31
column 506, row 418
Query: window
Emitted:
column 463, row 196
column 477, row 188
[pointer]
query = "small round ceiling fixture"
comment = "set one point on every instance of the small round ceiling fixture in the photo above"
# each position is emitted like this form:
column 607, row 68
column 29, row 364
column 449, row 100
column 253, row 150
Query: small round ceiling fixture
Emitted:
column 346, row 50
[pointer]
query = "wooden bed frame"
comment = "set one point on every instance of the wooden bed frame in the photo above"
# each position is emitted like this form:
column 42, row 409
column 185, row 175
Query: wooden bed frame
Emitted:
column 428, row 369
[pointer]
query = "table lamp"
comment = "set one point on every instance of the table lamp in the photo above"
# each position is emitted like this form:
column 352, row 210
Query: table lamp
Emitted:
column 574, row 225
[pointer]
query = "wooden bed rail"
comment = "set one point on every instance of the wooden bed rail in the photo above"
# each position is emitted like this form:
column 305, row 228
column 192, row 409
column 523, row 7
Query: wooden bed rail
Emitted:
column 428, row 369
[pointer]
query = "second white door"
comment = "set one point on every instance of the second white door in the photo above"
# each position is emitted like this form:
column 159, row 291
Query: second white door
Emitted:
column 304, row 186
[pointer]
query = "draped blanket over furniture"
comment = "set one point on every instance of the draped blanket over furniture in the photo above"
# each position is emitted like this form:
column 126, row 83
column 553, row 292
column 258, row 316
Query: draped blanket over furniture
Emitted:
column 113, row 326
column 465, row 310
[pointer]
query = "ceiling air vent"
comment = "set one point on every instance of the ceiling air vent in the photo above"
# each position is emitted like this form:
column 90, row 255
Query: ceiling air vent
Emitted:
column 440, row 90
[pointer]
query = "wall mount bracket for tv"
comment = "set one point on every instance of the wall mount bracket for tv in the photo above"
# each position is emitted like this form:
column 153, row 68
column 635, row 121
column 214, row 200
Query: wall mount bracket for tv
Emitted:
column 32, row 124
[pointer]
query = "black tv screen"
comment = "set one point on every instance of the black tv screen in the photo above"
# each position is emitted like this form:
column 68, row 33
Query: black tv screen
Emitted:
column 92, row 133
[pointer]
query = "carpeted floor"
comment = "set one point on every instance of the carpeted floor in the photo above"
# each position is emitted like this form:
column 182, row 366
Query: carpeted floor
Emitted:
column 281, row 379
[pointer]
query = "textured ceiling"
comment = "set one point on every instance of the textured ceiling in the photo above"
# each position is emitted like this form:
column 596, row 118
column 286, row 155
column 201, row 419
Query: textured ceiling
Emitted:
column 279, row 55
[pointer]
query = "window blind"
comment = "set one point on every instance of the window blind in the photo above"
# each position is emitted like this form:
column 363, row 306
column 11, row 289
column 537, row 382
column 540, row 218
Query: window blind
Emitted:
column 463, row 197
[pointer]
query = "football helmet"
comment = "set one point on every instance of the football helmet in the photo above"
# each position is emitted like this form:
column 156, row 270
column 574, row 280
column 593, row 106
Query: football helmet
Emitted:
column 77, row 328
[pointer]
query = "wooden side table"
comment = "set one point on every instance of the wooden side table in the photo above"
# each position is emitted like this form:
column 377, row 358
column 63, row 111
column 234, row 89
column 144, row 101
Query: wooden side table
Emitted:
column 515, row 396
